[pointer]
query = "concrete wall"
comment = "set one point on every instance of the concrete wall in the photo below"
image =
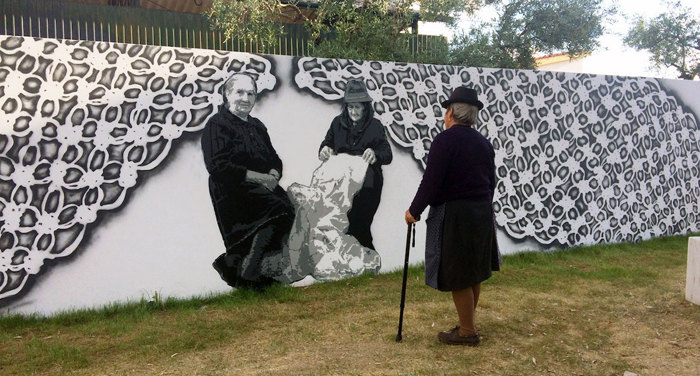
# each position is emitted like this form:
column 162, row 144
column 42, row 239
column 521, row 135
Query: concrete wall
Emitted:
column 103, row 189
column 692, row 280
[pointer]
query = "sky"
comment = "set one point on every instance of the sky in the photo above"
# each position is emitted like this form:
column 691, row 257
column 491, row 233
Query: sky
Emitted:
column 613, row 57
column 618, row 59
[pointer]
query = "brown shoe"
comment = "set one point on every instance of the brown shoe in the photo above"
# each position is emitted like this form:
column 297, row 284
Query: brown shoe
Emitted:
column 453, row 338
column 453, row 330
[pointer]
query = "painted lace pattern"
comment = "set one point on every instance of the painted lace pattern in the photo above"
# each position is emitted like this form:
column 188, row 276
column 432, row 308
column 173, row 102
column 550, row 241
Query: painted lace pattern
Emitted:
column 581, row 159
column 80, row 122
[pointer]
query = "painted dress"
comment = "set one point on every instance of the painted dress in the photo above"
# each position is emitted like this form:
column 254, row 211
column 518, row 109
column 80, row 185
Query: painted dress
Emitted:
column 231, row 147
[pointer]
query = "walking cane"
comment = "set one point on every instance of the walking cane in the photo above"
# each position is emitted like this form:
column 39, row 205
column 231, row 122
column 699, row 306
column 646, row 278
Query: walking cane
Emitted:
column 411, row 226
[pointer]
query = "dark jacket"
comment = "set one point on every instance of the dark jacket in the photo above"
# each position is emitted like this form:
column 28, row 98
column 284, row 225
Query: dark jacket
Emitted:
column 342, row 137
column 231, row 147
column 460, row 166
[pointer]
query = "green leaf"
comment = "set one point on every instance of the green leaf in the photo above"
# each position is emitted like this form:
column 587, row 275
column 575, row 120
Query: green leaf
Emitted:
column 672, row 38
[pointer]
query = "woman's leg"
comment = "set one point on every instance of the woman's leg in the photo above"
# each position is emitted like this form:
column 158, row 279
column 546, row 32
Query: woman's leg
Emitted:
column 465, row 301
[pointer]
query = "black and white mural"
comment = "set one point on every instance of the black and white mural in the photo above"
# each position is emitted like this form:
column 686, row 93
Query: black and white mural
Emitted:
column 581, row 159
column 331, row 236
column 105, row 180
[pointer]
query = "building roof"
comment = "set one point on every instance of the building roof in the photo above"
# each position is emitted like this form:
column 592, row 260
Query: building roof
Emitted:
column 552, row 59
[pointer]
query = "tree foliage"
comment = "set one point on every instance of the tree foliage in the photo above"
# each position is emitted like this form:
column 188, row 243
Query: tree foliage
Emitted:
column 372, row 31
column 354, row 29
column 477, row 48
column 528, row 27
column 672, row 38
column 447, row 11
column 256, row 21
column 380, row 29
column 385, row 29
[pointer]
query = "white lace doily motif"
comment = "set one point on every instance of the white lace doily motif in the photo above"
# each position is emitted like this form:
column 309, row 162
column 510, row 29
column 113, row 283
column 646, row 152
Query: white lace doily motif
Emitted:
column 80, row 122
column 581, row 159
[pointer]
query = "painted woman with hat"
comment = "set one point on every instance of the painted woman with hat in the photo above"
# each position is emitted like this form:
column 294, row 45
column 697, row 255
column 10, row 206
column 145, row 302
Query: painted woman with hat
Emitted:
column 356, row 132
column 458, row 184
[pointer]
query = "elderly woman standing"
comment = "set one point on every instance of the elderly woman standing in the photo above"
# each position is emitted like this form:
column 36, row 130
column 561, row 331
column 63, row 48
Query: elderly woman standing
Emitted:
column 458, row 184
column 356, row 132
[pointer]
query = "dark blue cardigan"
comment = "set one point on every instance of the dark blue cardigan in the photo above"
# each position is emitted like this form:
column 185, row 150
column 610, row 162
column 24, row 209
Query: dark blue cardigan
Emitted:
column 460, row 166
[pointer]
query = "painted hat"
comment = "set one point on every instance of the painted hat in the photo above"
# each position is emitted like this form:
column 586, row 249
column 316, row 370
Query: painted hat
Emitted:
column 356, row 91
column 463, row 95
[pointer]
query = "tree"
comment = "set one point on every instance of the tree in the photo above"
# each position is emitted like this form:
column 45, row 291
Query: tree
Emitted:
column 371, row 31
column 385, row 29
column 477, row 49
column 354, row 29
column 527, row 27
column 672, row 38
column 253, row 20
column 368, row 30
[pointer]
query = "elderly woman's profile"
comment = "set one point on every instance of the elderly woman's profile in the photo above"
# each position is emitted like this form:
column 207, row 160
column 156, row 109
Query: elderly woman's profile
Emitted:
column 458, row 184
column 253, row 212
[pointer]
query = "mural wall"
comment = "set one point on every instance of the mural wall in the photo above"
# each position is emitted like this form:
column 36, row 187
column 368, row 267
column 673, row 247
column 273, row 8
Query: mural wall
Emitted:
column 104, row 193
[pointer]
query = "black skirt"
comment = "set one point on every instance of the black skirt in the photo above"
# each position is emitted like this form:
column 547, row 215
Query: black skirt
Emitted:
column 461, row 249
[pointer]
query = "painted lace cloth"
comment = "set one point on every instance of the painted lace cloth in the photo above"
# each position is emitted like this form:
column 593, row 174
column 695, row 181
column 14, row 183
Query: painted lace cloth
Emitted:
column 318, row 245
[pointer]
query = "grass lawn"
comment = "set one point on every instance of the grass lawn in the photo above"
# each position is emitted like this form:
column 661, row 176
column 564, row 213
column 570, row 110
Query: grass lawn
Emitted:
column 599, row 310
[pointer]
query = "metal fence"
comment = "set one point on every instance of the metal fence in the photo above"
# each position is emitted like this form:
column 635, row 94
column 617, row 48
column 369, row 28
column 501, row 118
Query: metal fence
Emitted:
column 78, row 21
column 68, row 20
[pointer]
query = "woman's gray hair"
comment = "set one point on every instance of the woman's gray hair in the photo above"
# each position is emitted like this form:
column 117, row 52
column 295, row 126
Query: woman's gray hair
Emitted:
column 464, row 113
column 228, row 85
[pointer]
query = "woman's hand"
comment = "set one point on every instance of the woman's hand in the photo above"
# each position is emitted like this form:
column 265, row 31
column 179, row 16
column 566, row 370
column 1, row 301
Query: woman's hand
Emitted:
column 266, row 180
column 269, row 182
column 410, row 219
column 325, row 153
column 369, row 156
